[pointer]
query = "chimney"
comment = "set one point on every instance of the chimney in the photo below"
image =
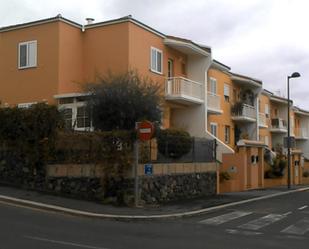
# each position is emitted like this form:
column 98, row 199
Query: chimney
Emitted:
column 89, row 20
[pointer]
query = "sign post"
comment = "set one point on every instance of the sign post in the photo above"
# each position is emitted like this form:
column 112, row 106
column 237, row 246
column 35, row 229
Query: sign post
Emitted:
column 145, row 132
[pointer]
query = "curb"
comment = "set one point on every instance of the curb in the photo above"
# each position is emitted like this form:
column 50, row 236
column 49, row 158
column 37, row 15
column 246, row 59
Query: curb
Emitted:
column 75, row 212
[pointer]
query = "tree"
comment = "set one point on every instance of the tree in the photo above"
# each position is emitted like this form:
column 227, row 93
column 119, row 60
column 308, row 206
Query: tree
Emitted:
column 117, row 101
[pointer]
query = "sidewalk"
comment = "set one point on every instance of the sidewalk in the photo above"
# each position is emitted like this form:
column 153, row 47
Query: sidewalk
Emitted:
column 170, row 210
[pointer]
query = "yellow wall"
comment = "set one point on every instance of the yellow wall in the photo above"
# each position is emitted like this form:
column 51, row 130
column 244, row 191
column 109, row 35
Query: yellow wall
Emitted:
column 30, row 84
column 223, row 119
column 263, row 132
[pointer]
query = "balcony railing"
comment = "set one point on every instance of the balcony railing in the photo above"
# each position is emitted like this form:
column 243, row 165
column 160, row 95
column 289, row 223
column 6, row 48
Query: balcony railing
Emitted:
column 243, row 112
column 184, row 90
column 278, row 125
column 213, row 103
column 262, row 120
column 301, row 133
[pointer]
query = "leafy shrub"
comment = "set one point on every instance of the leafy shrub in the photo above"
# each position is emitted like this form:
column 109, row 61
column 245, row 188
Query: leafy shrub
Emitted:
column 174, row 143
column 117, row 101
column 306, row 174
column 27, row 136
column 224, row 176
column 277, row 168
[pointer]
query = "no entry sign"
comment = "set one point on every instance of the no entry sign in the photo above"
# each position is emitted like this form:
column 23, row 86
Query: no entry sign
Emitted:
column 145, row 130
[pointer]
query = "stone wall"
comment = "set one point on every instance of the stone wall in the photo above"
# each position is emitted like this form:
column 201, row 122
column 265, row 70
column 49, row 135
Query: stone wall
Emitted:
column 154, row 189
column 165, row 188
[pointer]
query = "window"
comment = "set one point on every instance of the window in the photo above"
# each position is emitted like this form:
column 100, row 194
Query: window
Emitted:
column 26, row 105
column 267, row 110
column 67, row 115
column 82, row 117
column 234, row 95
column 156, row 60
column 226, row 92
column 227, row 134
column 170, row 68
column 266, row 141
column 183, row 68
column 213, row 129
column 213, row 85
column 27, row 54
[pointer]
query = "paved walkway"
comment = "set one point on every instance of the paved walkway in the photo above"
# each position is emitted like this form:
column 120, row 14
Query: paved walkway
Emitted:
column 165, row 209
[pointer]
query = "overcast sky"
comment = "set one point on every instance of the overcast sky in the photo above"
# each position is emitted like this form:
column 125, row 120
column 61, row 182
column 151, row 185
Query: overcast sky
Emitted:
column 264, row 39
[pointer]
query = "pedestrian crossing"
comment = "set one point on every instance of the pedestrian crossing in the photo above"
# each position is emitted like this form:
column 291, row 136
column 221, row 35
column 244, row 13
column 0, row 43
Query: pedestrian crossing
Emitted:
column 250, row 223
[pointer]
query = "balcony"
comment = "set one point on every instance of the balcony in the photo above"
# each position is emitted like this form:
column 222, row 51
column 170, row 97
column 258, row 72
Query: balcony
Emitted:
column 278, row 125
column 301, row 134
column 262, row 120
column 243, row 112
column 213, row 103
column 184, row 91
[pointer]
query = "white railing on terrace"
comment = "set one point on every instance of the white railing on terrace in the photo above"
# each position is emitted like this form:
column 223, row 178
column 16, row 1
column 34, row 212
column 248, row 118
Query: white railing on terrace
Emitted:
column 278, row 123
column 301, row 132
column 262, row 119
column 182, row 87
column 213, row 101
column 246, row 111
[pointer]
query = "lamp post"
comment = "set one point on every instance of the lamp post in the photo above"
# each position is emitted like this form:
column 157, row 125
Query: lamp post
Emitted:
column 294, row 75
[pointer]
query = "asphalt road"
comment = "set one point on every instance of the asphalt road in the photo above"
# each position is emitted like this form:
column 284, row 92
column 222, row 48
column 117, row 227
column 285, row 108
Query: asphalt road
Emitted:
column 281, row 222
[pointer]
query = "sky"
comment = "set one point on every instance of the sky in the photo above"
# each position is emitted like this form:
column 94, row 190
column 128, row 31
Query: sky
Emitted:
column 263, row 39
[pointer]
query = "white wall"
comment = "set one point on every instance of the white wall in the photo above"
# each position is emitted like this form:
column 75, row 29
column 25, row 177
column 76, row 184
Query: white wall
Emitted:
column 194, row 118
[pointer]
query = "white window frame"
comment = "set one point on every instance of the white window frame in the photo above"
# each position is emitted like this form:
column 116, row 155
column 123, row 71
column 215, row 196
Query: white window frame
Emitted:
column 26, row 105
column 74, row 107
column 28, row 62
column 216, row 129
column 154, row 68
column 213, row 85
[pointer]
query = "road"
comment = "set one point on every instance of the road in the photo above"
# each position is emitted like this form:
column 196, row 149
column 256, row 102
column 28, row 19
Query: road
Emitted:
column 281, row 222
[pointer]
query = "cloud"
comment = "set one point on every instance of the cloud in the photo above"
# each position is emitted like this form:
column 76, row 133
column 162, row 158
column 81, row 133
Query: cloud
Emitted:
column 264, row 39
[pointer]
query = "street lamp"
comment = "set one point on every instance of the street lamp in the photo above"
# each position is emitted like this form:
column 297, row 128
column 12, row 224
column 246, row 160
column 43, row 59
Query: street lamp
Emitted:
column 294, row 75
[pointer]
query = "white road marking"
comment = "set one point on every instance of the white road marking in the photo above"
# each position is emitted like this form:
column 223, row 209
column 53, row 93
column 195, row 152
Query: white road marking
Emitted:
column 63, row 242
column 234, row 231
column 224, row 218
column 300, row 228
column 301, row 208
column 287, row 213
column 262, row 222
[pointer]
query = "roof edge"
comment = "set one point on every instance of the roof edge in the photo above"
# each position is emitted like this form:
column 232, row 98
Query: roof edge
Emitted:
column 39, row 22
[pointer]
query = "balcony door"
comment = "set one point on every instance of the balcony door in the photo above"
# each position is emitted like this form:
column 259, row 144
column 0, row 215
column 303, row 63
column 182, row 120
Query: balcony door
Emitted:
column 170, row 68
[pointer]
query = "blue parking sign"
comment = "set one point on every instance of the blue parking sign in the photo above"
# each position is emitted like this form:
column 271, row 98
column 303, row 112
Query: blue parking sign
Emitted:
column 148, row 169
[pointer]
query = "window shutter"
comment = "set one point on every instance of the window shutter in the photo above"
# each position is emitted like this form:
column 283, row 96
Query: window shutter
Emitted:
column 32, row 54
column 226, row 90
column 213, row 85
column 266, row 109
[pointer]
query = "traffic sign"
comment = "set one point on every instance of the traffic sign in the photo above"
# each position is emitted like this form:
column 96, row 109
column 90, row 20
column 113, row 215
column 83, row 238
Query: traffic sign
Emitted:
column 145, row 130
column 148, row 169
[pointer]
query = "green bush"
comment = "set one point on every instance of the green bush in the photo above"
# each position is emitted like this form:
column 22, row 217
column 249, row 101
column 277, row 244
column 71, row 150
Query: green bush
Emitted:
column 174, row 143
column 224, row 176
column 306, row 174
column 277, row 168
column 27, row 136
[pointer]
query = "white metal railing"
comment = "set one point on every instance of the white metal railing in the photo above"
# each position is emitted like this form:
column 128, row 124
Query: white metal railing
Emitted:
column 262, row 119
column 180, row 86
column 301, row 132
column 278, row 123
column 244, row 110
column 249, row 111
column 213, row 101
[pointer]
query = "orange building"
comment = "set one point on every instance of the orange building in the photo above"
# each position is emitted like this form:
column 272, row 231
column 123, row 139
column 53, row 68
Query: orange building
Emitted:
column 49, row 60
